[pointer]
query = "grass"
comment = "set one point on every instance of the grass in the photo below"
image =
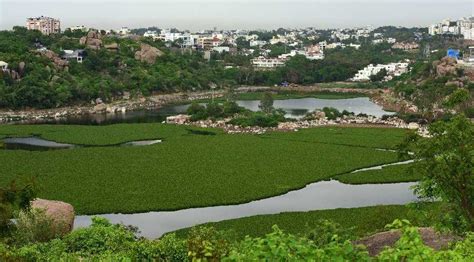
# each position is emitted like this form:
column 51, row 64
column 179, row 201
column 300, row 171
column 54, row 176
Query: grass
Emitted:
column 389, row 174
column 281, row 95
column 187, row 169
column 363, row 221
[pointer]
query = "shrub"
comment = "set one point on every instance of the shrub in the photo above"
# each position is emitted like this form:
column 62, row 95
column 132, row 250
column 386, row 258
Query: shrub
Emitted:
column 33, row 226
column 327, row 231
column 279, row 246
column 206, row 243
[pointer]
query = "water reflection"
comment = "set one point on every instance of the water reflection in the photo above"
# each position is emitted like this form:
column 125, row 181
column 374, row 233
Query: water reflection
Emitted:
column 294, row 108
column 316, row 196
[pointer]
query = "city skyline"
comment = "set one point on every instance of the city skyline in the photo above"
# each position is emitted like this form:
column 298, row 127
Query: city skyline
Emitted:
column 240, row 14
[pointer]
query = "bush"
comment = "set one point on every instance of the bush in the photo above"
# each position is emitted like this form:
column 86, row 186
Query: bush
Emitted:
column 327, row 231
column 259, row 119
column 32, row 226
column 206, row 243
column 279, row 246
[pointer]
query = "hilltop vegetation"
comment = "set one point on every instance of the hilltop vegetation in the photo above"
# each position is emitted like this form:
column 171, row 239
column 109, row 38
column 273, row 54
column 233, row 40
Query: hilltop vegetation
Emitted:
column 108, row 74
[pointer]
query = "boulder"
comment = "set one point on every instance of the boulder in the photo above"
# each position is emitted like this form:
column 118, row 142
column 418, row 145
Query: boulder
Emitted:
column 447, row 66
column 58, row 62
column 377, row 242
column 61, row 213
column 21, row 68
column 413, row 126
column 100, row 108
column 148, row 54
column 112, row 47
column 92, row 40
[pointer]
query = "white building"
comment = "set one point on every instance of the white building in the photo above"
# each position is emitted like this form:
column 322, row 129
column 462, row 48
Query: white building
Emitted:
column 3, row 65
column 221, row 49
column 77, row 55
column 258, row 43
column 268, row 63
column 463, row 26
column 152, row 34
column 78, row 27
column 393, row 70
column 123, row 31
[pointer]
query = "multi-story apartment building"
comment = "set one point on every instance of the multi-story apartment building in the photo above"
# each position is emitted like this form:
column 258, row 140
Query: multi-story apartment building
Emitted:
column 46, row 25
column 463, row 26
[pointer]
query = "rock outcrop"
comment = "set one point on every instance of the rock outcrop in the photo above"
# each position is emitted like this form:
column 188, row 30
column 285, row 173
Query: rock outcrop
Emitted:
column 92, row 40
column 148, row 54
column 58, row 62
column 112, row 47
column 446, row 66
column 377, row 242
column 61, row 213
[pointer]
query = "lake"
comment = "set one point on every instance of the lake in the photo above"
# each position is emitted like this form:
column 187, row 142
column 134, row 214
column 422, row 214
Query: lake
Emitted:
column 294, row 108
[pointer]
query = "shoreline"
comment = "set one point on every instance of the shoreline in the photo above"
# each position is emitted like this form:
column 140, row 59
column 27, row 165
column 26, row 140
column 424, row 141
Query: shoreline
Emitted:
column 382, row 97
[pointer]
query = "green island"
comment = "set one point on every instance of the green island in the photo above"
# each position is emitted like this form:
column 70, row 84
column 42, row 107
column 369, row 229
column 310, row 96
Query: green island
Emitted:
column 388, row 174
column 362, row 221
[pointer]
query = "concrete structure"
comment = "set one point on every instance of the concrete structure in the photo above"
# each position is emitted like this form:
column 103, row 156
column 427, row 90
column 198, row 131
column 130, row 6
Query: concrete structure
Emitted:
column 221, row 49
column 78, row 27
column 46, row 25
column 152, row 34
column 258, row 43
column 393, row 70
column 123, row 31
column 268, row 63
column 461, row 27
column 77, row 55
column 406, row 46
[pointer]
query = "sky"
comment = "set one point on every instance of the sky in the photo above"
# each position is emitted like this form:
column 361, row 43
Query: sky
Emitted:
column 235, row 14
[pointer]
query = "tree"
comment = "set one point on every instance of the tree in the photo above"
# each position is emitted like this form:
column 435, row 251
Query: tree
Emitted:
column 13, row 198
column 446, row 161
column 266, row 104
column 379, row 76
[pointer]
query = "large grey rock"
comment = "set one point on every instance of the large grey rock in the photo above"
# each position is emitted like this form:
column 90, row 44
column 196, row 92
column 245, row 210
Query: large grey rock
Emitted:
column 61, row 213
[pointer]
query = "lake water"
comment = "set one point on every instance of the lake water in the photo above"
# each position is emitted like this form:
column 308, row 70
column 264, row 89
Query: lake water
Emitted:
column 40, row 144
column 316, row 196
column 294, row 108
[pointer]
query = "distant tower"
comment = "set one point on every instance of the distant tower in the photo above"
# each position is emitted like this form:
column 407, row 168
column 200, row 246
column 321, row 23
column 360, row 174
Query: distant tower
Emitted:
column 215, row 28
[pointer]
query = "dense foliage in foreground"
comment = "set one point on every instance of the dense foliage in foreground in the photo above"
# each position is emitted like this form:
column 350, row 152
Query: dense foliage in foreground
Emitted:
column 327, row 242
column 189, row 169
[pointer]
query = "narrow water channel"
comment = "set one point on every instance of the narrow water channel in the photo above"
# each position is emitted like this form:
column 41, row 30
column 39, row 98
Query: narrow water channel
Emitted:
column 317, row 196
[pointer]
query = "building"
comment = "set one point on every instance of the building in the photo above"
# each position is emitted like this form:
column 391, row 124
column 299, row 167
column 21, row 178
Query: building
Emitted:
column 46, row 25
column 152, row 34
column 393, row 70
column 79, row 28
column 259, row 43
column 4, row 65
column 461, row 27
column 221, row 49
column 268, row 63
column 123, row 31
column 406, row 46
column 77, row 55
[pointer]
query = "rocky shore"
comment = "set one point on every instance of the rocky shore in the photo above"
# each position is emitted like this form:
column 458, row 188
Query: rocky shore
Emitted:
column 382, row 97
column 293, row 126
column 98, row 107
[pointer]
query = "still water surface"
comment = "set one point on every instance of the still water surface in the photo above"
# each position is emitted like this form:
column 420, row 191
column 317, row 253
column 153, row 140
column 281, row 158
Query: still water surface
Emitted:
column 294, row 108
column 317, row 196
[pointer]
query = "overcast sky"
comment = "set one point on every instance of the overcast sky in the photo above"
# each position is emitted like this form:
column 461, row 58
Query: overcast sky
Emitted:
column 233, row 14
